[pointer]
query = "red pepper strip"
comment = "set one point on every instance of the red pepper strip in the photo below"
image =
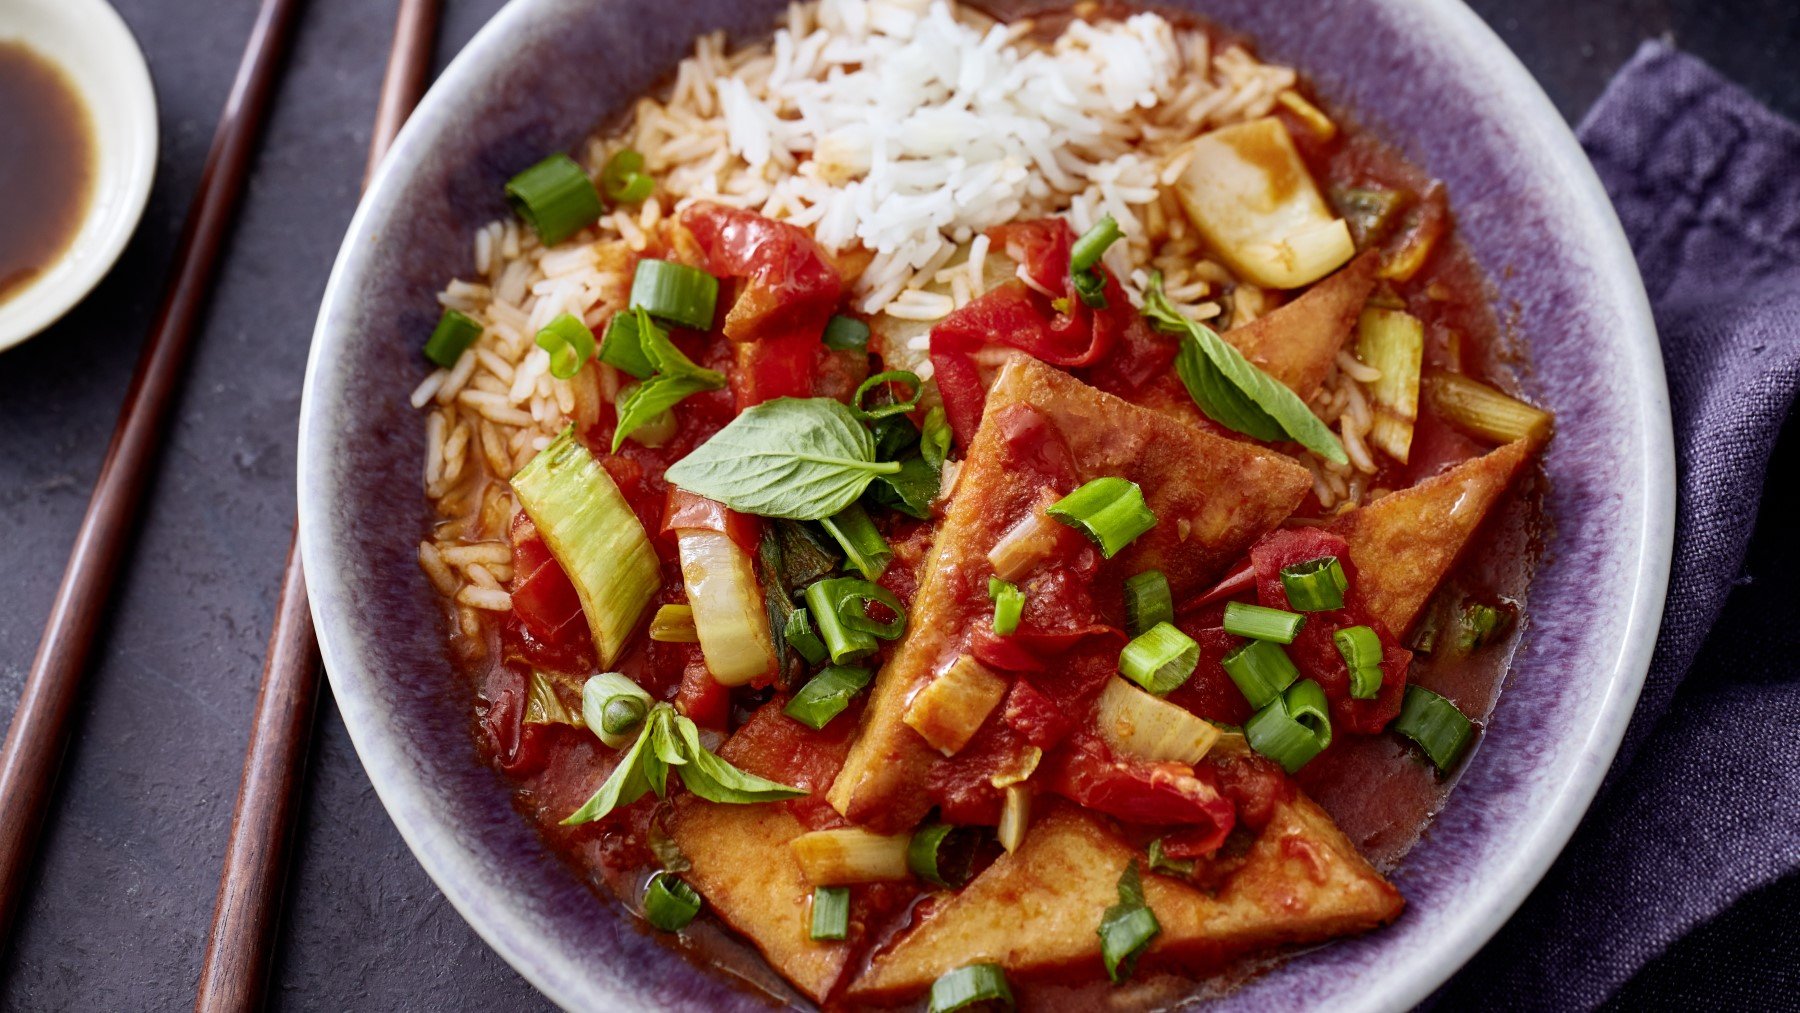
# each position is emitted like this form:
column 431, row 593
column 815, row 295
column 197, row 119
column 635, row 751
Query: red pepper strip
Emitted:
column 1239, row 583
column 1137, row 791
column 702, row 698
column 543, row 597
column 687, row 512
column 791, row 286
column 774, row 367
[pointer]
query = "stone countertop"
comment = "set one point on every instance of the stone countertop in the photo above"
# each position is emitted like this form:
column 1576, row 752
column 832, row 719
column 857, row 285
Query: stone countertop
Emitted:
column 123, row 890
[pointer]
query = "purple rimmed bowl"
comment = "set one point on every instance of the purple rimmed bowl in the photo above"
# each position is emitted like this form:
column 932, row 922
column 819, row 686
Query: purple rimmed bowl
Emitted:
column 545, row 73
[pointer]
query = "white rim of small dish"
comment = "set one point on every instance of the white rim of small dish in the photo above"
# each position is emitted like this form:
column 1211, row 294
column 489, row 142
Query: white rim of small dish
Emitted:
column 91, row 44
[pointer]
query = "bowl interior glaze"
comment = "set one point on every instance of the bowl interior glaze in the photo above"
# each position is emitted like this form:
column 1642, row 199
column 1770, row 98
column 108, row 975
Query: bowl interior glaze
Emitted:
column 1426, row 75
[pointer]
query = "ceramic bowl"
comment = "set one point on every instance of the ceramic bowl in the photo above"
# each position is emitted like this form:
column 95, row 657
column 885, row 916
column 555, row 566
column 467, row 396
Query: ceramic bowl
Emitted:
column 91, row 45
column 1427, row 75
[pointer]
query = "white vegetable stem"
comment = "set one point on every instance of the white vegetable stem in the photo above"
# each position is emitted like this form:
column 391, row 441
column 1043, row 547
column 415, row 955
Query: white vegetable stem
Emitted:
column 729, row 615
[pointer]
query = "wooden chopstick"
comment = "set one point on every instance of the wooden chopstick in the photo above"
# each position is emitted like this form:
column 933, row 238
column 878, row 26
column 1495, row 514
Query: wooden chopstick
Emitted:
column 234, row 974
column 35, row 741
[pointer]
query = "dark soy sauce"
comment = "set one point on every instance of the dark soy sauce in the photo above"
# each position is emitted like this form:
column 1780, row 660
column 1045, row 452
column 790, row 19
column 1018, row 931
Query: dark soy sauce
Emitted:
column 46, row 165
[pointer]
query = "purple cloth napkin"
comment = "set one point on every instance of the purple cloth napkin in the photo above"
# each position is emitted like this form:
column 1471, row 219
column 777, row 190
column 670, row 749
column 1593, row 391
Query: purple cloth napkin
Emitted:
column 1703, row 803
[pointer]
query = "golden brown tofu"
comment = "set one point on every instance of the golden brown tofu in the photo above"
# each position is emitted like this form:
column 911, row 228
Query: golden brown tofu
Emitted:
column 1301, row 882
column 743, row 866
column 1297, row 343
column 1211, row 496
column 1404, row 542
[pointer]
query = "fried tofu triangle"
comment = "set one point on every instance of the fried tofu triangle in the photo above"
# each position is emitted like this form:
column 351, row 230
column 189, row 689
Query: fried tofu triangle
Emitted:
column 1302, row 882
column 1404, row 542
column 1212, row 497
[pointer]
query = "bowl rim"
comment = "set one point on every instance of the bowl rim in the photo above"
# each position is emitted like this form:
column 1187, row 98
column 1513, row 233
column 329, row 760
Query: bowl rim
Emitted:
column 1419, row 971
column 117, row 78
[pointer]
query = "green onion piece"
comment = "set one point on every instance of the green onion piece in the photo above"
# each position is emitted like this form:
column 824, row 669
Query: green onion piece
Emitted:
column 830, row 912
column 826, row 695
column 1316, row 585
column 569, row 343
column 1261, row 670
column 1259, row 623
column 1009, row 605
column 675, row 292
column 1425, row 635
column 1147, row 601
column 1361, row 648
column 624, row 179
column 881, row 380
column 934, row 438
column 1160, row 659
column 1293, row 728
column 942, row 855
column 1127, row 927
column 454, row 333
column 800, row 636
column 1084, row 261
column 853, row 598
column 1110, row 510
column 623, row 345
column 555, row 197
column 621, row 714
column 846, row 334
column 864, row 547
column 842, row 644
column 966, row 986
column 1180, row 868
column 1433, row 722
column 669, row 902
column 1478, row 623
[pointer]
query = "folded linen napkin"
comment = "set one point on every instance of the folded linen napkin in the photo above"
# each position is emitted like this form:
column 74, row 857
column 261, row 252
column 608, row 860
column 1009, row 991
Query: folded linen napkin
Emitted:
column 1702, row 805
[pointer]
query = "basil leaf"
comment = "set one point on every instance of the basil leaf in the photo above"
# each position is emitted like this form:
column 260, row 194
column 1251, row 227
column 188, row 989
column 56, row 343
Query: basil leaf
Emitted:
column 627, row 783
column 800, row 458
column 910, row 490
column 676, row 378
column 1127, row 928
column 894, row 435
column 715, row 780
column 806, row 555
column 1233, row 392
column 770, row 566
column 934, row 439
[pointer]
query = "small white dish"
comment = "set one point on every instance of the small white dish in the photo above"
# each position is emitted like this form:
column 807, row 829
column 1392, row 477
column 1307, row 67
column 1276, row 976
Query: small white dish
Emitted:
column 91, row 45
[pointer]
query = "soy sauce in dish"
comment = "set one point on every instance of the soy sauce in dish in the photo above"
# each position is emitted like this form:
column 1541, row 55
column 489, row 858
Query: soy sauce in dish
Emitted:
column 46, row 165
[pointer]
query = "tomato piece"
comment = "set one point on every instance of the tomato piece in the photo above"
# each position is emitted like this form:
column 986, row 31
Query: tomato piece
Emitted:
column 1255, row 785
column 685, row 511
column 1035, row 716
column 1137, row 791
column 702, row 698
column 1209, row 692
column 790, row 285
column 783, row 366
column 519, row 749
column 554, row 631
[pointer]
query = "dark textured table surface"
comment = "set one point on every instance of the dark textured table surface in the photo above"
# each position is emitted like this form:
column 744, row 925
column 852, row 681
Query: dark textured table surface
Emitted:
column 118, row 913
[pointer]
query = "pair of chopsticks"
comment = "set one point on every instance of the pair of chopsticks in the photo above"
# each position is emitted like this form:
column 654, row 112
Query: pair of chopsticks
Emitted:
column 250, row 888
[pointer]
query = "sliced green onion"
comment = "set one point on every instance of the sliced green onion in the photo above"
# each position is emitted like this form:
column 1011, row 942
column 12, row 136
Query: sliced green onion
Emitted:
column 1261, row 670
column 1127, row 927
column 613, row 707
column 1147, row 601
column 569, row 343
column 830, row 912
column 1180, row 868
column 1009, row 605
column 864, row 547
column 675, row 292
column 1293, row 728
column 880, row 382
column 621, row 714
column 966, row 986
column 934, row 438
column 1259, row 623
column 942, row 855
column 454, row 333
column 624, row 178
column 555, row 197
column 1084, row 261
column 1433, row 722
column 854, row 596
column 1479, row 623
column 1110, row 510
column 1361, row 648
column 1160, row 659
column 800, row 635
column 826, row 695
column 669, row 902
column 623, row 345
column 842, row 644
column 1316, row 585
column 846, row 334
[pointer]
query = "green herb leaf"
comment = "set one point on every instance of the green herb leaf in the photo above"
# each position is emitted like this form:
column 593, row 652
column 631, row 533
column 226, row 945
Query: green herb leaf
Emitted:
column 806, row 555
column 800, row 458
column 672, row 741
column 627, row 783
column 1231, row 390
column 911, row 490
column 1180, row 868
column 1128, row 927
column 676, row 378
column 715, row 780
column 935, row 437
